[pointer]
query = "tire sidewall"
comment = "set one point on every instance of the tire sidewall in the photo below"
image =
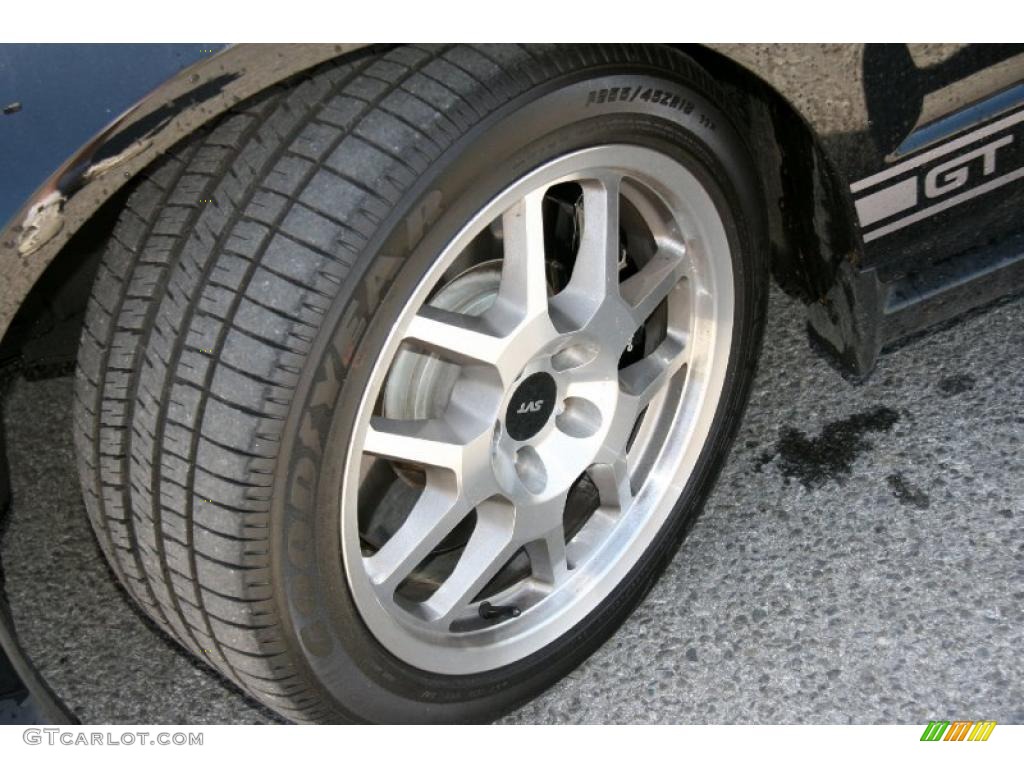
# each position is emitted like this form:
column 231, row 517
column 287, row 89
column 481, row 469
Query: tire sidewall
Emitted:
column 338, row 653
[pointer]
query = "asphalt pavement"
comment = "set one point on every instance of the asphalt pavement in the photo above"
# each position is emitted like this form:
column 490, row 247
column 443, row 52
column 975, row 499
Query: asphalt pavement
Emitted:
column 860, row 561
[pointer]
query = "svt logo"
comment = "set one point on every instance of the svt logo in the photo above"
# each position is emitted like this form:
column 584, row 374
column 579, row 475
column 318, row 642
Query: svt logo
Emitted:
column 530, row 406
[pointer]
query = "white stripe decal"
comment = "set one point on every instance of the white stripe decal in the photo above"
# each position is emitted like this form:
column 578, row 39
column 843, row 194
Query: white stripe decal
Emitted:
column 886, row 202
column 948, row 203
column 945, row 149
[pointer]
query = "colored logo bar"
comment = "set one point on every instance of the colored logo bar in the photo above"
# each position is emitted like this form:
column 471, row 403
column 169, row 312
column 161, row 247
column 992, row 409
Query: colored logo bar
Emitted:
column 958, row 730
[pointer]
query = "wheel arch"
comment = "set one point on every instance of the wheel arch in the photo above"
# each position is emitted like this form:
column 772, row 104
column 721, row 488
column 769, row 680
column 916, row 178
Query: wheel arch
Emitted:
column 811, row 222
column 815, row 242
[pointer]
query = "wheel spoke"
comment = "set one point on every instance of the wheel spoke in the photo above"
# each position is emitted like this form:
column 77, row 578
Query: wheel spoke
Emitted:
column 489, row 548
column 433, row 516
column 523, row 278
column 644, row 379
column 548, row 558
column 612, row 481
column 462, row 338
column 428, row 443
column 645, row 290
column 596, row 272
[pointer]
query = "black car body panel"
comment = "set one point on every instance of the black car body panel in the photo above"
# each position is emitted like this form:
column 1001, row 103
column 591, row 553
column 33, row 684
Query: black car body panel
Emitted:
column 941, row 122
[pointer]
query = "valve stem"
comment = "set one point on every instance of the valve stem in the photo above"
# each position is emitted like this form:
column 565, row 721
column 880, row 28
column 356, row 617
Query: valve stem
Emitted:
column 490, row 612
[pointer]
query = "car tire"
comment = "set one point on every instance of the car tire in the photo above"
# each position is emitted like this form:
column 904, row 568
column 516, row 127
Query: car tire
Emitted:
column 233, row 373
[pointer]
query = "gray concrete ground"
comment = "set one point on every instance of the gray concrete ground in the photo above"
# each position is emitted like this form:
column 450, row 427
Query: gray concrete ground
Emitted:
column 861, row 560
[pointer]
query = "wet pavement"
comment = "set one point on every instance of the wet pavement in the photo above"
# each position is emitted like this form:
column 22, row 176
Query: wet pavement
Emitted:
column 861, row 559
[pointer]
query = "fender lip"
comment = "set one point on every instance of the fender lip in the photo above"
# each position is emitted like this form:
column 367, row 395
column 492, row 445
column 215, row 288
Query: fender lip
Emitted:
column 40, row 702
column 176, row 108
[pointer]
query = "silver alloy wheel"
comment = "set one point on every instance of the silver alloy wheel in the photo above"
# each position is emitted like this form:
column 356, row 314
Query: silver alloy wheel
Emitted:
column 539, row 398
